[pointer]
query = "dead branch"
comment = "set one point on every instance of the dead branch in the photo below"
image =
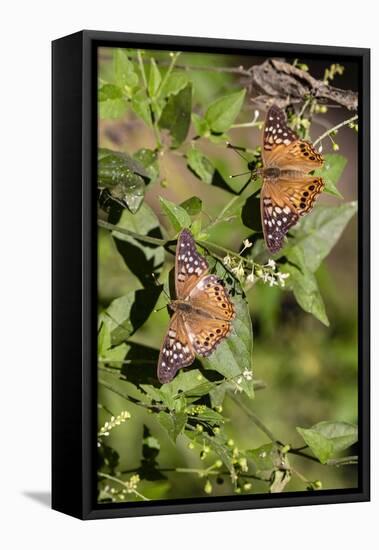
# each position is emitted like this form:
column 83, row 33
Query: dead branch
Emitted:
column 276, row 81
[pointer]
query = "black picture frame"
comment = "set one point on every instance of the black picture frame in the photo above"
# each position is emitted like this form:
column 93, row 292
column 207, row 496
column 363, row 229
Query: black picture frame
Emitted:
column 74, row 332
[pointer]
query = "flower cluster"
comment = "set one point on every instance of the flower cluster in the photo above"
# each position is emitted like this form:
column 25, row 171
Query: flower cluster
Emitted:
column 113, row 422
column 250, row 272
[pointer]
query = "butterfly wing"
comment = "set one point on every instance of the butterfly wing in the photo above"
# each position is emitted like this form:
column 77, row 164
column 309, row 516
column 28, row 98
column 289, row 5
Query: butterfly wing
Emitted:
column 283, row 149
column 212, row 297
column 277, row 136
column 206, row 331
column 206, row 334
column 283, row 201
column 189, row 265
column 176, row 350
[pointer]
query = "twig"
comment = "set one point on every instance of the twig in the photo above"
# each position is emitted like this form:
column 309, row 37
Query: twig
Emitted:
column 144, row 238
column 344, row 461
column 255, row 419
column 340, row 125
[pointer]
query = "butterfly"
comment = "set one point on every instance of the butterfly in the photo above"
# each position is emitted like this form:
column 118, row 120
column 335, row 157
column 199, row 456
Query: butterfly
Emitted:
column 288, row 190
column 202, row 311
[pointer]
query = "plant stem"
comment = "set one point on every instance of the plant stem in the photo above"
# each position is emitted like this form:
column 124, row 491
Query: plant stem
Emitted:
column 169, row 71
column 303, row 455
column 255, row 419
column 340, row 125
column 116, row 480
column 144, row 238
column 220, row 216
column 162, row 242
column 344, row 461
column 152, row 115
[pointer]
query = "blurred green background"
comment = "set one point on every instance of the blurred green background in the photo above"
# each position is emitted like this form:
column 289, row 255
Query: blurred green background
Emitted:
column 310, row 370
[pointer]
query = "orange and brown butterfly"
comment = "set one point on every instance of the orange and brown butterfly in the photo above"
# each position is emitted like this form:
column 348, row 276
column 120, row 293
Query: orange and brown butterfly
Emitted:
column 288, row 190
column 202, row 311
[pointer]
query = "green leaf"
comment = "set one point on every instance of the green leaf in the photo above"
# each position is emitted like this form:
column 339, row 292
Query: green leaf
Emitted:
column 331, row 172
column 304, row 285
column 124, row 178
column 222, row 113
column 200, row 124
column 176, row 115
column 124, row 72
column 192, row 206
column 104, row 341
column 175, row 82
column 177, row 215
column 142, row 259
column 206, row 415
column 128, row 313
column 114, row 356
column 321, row 447
column 173, row 423
column 233, row 356
column 200, row 165
column 317, row 233
column 112, row 103
column 268, row 459
column 184, row 382
column 154, row 78
column 149, row 160
column 140, row 105
column 325, row 439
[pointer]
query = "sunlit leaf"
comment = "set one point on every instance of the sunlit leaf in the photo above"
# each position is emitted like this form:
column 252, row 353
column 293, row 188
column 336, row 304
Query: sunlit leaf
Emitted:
column 200, row 124
column 233, row 356
column 200, row 165
column 222, row 113
column 304, row 285
column 325, row 439
column 123, row 177
column 173, row 423
column 112, row 103
column 124, row 72
column 177, row 215
column 128, row 313
column 318, row 233
column 149, row 160
column 140, row 105
column 154, row 78
column 175, row 82
column 331, row 172
column 192, row 206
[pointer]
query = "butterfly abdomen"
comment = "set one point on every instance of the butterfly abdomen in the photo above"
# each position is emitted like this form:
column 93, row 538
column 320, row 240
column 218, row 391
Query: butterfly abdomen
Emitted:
column 271, row 172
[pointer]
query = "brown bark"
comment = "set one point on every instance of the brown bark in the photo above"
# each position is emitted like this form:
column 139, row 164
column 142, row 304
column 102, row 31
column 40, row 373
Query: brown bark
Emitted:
column 276, row 81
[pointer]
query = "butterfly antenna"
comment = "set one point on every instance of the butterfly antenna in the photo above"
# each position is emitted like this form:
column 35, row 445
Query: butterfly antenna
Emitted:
column 237, row 150
column 157, row 283
column 237, row 175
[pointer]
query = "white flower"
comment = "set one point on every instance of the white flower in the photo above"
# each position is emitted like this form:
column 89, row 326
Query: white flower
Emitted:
column 282, row 278
column 271, row 263
column 273, row 281
column 247, row 373
column 239, row 271
column 227, row 260
column 247, row 243
column 250, row 278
